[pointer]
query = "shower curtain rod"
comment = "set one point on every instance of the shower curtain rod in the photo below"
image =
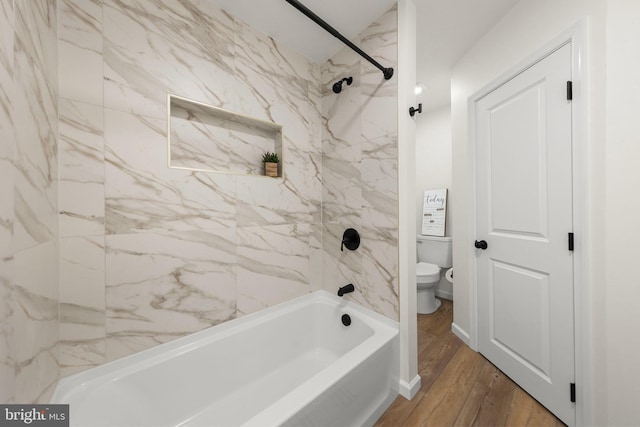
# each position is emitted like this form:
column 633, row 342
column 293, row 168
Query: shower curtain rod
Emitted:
column 388, row 72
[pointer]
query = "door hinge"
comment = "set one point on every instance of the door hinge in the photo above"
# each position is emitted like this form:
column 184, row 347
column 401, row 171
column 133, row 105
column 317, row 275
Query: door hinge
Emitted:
column 570, row 241
column 569, row 90
column 572, row 392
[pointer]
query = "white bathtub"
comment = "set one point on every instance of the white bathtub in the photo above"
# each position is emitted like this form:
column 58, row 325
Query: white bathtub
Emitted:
column 294, row 364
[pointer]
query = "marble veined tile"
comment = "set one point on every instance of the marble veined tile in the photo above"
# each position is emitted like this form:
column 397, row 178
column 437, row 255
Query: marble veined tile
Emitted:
column 264, row 201
column 7, row 39
column 338, row 66
column 380, row 39
column 81, row 208
column 267, row 79
column 381, row 148
column 80, row 355
column 35, row 212
column 7, row 135
column 315, row 115
column 7, row 19
column 80, row 50
column 297, row 120
column 380, row 182
column 165, row 285
column 36, row 35
column 379, row 103
column 6, row 273
column 34, row 316
column 43, row 280
column 303, row 176
column 82, row 303
column 342, row 191
column 271, row 56
column 341, row 120
column 152, row 47
column 7, row 173
column 379, row 110
column 359, row 170
column 80, row 23
column 204, row 139
column 34, row 303
column 339, row 267
column 35, row 121
column 144, row 194
column 379, row 276
column 81, row 159
column 82, row 271
column 7, row 362
column 273, row 265
column 372, row 268
column 315, row 257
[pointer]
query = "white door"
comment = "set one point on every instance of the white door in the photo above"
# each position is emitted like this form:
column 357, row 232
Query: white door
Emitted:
column 524, row 214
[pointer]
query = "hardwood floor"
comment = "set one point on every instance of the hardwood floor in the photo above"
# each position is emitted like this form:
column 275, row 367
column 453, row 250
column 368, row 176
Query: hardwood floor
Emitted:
column 460, row 387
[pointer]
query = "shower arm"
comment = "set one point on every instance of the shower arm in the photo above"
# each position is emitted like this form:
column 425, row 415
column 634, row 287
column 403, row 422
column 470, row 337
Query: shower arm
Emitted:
column 388, row 72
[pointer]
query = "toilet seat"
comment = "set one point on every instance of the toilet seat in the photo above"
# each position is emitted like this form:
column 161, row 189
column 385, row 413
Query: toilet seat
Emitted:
column 427, row 273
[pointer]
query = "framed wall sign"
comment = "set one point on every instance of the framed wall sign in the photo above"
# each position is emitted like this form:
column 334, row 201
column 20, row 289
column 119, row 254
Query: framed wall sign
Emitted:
column 434, row 212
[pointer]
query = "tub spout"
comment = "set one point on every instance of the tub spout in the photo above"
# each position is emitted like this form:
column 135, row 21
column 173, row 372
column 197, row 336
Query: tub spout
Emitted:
column 346, row 289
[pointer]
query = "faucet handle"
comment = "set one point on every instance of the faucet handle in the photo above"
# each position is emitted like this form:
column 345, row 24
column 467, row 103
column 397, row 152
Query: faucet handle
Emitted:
column 350, row 239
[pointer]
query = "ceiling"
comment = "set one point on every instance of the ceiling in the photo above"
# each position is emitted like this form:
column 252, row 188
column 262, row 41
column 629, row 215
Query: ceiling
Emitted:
column 446, row 29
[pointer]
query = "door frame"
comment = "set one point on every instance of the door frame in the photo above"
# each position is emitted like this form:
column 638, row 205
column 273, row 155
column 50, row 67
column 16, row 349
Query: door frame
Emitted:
column 577, row 36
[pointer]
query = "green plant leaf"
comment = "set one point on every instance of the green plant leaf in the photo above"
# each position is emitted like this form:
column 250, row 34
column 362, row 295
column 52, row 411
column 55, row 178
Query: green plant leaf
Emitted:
column 269, row 157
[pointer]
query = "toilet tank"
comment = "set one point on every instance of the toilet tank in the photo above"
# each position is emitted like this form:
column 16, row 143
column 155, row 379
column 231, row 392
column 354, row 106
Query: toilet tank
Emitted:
column 435, row 250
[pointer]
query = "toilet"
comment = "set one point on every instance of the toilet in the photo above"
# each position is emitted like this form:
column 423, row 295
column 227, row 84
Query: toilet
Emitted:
column 434, row 256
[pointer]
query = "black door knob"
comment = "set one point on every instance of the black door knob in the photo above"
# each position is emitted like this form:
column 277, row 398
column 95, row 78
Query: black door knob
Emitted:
column 482, row 244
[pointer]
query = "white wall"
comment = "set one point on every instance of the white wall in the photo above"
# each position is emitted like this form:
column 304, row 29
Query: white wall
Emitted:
column 409, row 378
column 433, row 168
column 433, row 157
column 525, row 29
column 622, row 293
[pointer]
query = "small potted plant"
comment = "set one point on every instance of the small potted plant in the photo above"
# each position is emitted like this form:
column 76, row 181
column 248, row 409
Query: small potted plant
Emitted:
column 270, row 161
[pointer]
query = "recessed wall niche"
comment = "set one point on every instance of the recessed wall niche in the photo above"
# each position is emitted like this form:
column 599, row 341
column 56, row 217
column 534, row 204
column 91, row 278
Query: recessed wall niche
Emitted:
column 202, row 137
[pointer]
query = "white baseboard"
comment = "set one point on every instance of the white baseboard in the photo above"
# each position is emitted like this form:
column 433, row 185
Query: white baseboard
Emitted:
column 444, row 294
column 460, row 333
column 409, row 390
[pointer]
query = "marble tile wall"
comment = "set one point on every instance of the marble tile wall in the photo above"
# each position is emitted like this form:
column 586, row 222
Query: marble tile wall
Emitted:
column 360, row 170
column 7, row 175
column 148, row 253
column 82, row 177
column 130, row 253
column 29, row 190
column 202, row 141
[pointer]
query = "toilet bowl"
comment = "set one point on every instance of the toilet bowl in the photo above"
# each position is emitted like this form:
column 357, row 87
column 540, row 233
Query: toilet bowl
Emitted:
column 427, row 278
column 434, row 257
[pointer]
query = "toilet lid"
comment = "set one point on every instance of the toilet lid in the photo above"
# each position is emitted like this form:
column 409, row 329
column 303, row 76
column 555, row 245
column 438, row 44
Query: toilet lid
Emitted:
column 425, row 269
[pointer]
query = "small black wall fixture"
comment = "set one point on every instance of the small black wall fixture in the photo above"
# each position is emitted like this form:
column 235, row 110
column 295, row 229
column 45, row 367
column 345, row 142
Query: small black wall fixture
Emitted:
column 337, row 86
column 388, row 72
column 350, row 239
column 413, row 111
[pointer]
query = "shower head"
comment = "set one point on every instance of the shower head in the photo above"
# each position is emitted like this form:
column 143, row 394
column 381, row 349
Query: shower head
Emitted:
column 337, row 86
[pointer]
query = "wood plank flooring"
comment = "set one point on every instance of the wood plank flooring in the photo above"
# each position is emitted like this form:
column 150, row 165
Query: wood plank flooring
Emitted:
column 460, row 387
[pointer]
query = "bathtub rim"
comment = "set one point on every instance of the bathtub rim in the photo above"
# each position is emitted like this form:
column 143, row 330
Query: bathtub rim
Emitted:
column 131, row 363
